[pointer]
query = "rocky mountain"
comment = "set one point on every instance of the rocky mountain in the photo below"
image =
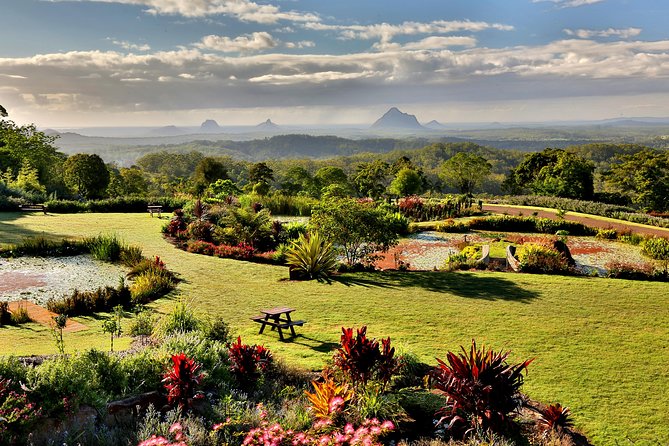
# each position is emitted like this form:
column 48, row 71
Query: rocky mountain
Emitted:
column 210, row 126
column 395, row 119
column 435, row 125
column 267, row 125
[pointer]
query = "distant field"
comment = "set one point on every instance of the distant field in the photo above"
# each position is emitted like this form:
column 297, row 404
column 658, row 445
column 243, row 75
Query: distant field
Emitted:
column 600, row 344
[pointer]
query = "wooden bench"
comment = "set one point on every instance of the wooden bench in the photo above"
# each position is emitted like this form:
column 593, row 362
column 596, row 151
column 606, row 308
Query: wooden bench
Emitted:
column 273, row 319
column 33, row 208
column 155, row 209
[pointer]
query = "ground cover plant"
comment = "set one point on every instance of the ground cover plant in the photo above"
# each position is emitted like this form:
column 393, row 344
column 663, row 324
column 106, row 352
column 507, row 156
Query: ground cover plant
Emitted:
column 612, row 317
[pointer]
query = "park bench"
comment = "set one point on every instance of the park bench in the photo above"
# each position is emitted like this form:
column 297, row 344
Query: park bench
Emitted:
column 273, row 318
column 32, row 208
column 154, row 209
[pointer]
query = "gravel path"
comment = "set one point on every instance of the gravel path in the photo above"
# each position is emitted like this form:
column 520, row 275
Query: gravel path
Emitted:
column 38, row 279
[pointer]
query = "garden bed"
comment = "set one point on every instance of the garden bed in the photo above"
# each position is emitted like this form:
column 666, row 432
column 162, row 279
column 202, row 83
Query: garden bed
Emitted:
column 39, row 279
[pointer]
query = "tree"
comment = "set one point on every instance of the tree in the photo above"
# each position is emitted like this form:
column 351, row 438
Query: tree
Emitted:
column 553, row 172
column 644, row 176
column 223, row 188
column 330, row 175
column 465, row 171
column 3, row 112
column 371, row 179
column 406, row 182
column 357, row 228
column 261, row 173
column 28, row 179
column 206, row 172
column 86, row 175
column 126, row 181
column 298, row 179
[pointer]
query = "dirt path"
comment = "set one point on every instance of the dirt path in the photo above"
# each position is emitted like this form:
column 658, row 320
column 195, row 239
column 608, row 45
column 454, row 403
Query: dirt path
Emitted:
column 588, row 221
column 43, row 316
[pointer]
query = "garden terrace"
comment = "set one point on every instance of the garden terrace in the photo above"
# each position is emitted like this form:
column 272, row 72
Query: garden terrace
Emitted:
column 584, row 332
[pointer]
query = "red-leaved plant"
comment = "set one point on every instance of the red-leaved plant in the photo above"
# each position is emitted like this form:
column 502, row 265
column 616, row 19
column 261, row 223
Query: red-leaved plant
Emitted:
column 247, row 362
column 182, row 380
column 555, row 418
column 482, row 390
column 361, row 359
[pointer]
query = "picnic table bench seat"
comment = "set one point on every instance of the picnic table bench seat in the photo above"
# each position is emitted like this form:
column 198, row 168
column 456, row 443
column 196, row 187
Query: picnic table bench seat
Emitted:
column 274, row 319
column 151, row 209
column 32, row 208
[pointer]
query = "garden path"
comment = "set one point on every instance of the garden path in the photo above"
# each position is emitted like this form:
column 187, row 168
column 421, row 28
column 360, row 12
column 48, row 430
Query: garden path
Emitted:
column 596, row 222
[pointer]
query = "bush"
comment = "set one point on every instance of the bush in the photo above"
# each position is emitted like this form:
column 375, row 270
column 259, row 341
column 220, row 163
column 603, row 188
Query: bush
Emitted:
column 483, row 390
column 182, row 380
column 107, row 248
column 630, row 271
column 201, row 247
column 279, row 204
column 607, row 234
column 312, row 257
column 656, row 248
column 151, row 285
column 362, row 359
column 181, row 320
column 217, row 329
column 468, row 258
column 131, row 256
column 542, row 260
column 201, row 230
column 507, row 223
column 43, row 247
column 291, row 231
column 118, row 204
column 81, row 303
column 452, row 226
column 5, row 315
column 248, row 362
column 20, row 316
column 142, row 324
column 240, row 252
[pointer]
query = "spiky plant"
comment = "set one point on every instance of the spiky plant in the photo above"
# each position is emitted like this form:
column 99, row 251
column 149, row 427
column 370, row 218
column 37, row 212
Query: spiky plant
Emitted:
column 555, row 418
column 328, row 397
column 312, row 256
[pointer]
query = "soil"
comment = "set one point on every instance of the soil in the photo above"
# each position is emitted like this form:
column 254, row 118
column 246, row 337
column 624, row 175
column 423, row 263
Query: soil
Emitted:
column 593, row 222
column 43, row 316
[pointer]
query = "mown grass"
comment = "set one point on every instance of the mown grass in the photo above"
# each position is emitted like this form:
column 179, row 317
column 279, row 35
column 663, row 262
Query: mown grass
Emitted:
column 600, row 344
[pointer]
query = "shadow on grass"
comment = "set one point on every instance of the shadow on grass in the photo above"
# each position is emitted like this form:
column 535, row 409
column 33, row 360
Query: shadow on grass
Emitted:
column 312, row 343
column 460, row 284
column 12, row 233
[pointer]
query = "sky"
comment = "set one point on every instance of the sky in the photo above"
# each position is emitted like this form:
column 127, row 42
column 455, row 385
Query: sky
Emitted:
column 79, row 63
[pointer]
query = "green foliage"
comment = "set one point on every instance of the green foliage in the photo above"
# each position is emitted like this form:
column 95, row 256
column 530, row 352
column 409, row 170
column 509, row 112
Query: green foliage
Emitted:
column 507, row 223
column 142, row 324
column 151, row 284
column 105, row 247
column 112, row 327
column 118, row 204
column 223, row 188
column 553, row 172
column 217, row 329
column 81, row 303
column 280, row 204
column 86, row 175
column 20, row 316
column 357, row 228
column 656, row 248
column 607, row 234
column 644, row 176
column 28, row 179
column 312, row 256
column 244, row 225
column 261, row 173
column 465, row 171
column 541, row 259
column 207, row 171
column 371, row 179
column 181, row 320
column 406, row 182
column 43, row 247
column 469, row 257
column 131, row 255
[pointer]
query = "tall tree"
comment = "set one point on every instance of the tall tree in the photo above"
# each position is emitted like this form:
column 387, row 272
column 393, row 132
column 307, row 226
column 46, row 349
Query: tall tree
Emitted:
column 86, row 175
column 553, row 172
column 261, row 173
column 465, row 171
column 644, row 176
column 207, row 171
column 406, row 182
column 371, row 179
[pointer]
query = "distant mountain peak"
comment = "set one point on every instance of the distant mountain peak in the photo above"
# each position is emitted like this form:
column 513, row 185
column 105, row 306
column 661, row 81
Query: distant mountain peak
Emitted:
column 268, row 124
column 435, row 125
column 209, row 125
column 395, row 119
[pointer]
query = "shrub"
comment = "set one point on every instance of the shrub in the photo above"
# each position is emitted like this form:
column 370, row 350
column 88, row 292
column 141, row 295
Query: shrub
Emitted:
column 452, row 226
column 656, row 248
column 176, row 224
column 105, row 247
column 248, row 362
column 279, row 255
column 182, row 319
column 217, row 329
column 540, row 259
column 607, row 234
column 312, row 257
column 631, row 237
column 241, row 251
column 467, row 258
column 362, row 359
column 630, row 271
column 328, row 398
column 555, row 418
column 483, row 390
column 17, row 413
column 201, row 230
column 43, row 247
column 5, row 315
column 81, row 303
column 507, row 223
column 142, row 324
column 151, row 285
column 291, row 231
column 20, row 316
column 182, row 380
column 201, row 247
column 131, row 256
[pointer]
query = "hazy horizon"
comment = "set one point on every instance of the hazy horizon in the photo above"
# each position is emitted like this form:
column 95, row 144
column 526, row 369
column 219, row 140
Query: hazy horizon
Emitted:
column 153, row 63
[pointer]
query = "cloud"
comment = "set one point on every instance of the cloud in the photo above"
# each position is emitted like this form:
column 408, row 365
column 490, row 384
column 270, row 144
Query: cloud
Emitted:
column 386, row 32
column 432, row 69
column 244, row 10
column 569, row 3
column 128, row 45
column 623, row 33
column 257, row 41
column 301, row 44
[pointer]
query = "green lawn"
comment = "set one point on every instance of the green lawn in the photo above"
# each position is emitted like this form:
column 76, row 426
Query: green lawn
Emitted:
column 602, row 345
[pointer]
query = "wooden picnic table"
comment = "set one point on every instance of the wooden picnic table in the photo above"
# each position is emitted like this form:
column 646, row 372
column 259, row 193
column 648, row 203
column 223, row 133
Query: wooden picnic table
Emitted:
column 274, row 317
column 154, row 209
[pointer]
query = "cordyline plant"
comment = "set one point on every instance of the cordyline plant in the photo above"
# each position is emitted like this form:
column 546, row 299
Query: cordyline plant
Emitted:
column 182, row 380
column 482, row 390
column 362, row 359
column 313, row 256
column 247, row 362
column 555, row 418
column 328, row 398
